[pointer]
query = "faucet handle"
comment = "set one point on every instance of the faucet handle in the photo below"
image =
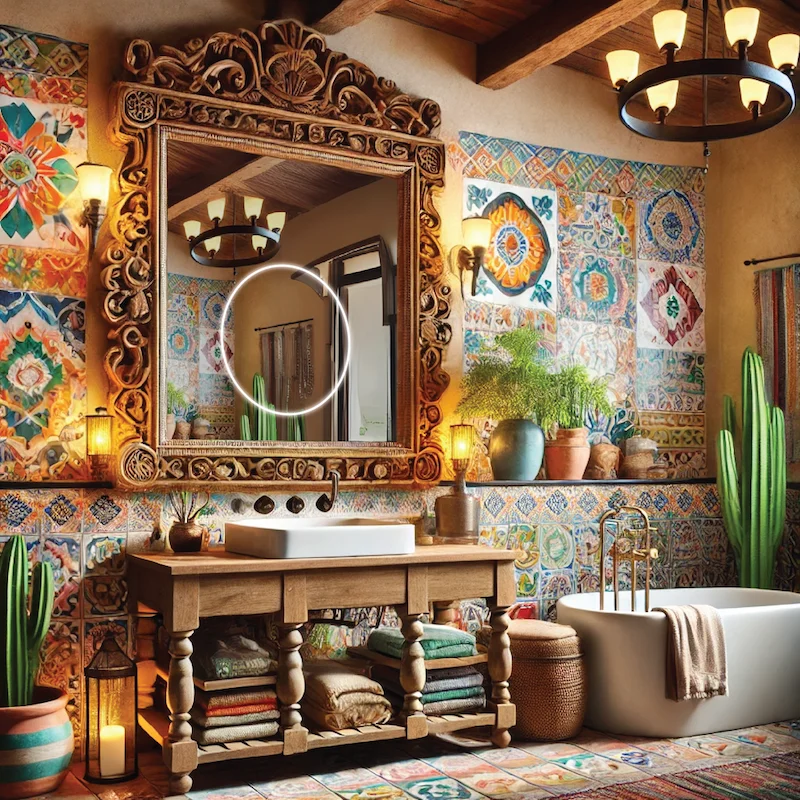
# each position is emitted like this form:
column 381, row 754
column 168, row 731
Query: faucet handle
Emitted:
column 653, row 553
column 325, row 503
column 295, row 504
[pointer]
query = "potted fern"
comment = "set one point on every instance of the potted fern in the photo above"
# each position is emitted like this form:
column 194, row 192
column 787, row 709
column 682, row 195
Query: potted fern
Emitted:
column 510, row 383
column 36, row 737
column 575, row 394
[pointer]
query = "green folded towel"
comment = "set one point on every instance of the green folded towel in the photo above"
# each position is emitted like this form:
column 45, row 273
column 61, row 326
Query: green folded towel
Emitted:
column 452, row 694
column 458, row 705
column 439, row 641
column 438, row 680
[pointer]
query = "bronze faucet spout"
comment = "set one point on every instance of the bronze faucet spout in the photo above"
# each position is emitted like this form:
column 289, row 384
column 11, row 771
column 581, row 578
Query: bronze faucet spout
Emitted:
column 325, row 503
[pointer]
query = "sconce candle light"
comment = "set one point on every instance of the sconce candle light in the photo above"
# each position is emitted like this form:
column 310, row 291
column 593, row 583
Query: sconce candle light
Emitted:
column 99, row 442
column 94, row 182
column 477, row 236
column 458, row 513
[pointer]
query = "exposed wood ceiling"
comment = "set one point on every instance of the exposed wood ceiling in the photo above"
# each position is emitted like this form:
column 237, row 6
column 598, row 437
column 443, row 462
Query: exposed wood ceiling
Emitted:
column 197, row 173
column 517, row 37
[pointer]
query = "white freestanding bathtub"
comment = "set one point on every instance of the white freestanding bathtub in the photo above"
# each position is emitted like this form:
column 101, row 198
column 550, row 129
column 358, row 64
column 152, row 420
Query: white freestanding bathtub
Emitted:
column 626, row 656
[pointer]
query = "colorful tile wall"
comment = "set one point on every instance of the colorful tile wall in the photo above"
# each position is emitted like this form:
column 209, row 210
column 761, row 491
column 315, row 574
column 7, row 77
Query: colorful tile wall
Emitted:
column 86, row 536
column 43, row 264
column 622, row 277
column 194, row 349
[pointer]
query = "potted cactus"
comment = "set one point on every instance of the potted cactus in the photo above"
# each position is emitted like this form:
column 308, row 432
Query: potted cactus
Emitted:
column 36, row 738
column 753, row 497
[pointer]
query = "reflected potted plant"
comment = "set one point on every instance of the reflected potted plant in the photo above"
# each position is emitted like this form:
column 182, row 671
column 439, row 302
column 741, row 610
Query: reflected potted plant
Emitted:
column 575, row 395
column 510, row 383
column 35, row 731
column 180, row 412
column 186, row 534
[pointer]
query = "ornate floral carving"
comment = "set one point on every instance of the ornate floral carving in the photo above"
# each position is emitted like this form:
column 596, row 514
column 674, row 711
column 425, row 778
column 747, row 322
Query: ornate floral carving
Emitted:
column 286, row 87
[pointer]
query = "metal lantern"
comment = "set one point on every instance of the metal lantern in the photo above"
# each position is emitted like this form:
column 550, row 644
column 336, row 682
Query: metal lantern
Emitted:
column 110, row 715
column 100, row 441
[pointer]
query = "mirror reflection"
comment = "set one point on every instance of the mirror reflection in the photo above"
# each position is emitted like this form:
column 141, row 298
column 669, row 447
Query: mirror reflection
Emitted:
column 228, row 212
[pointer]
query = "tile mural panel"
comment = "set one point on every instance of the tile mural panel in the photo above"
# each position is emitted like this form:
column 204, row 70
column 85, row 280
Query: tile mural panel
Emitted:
column 43, row 256
column 629, row 291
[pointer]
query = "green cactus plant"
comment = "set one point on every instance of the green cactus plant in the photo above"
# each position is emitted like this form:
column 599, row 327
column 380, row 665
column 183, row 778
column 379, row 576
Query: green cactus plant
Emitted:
column 753, row 497
column 22, row 633
column 256, row 424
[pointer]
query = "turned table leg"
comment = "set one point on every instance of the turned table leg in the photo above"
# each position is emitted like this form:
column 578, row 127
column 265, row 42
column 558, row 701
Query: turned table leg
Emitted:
column 180, row 750
column 412, row 674
column 290, row 689
column 500, row 672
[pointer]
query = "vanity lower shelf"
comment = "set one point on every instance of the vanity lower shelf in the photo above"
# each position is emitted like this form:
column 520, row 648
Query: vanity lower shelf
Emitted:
column 364, row 653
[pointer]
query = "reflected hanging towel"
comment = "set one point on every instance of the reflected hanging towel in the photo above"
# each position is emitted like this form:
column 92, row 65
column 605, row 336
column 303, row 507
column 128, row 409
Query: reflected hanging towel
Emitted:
column 696, row 661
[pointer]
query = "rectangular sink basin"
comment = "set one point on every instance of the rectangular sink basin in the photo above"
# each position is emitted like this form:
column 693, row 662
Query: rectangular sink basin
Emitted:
column 319, row 538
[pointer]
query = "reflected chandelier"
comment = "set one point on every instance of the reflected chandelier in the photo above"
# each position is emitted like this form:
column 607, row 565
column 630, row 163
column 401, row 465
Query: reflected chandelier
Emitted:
column 662, row 84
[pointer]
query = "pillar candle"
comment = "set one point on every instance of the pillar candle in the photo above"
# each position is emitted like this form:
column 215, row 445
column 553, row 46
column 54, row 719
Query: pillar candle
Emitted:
column 112, row 751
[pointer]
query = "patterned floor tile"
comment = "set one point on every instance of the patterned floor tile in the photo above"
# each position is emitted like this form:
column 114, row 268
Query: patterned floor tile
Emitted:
column 439, row 788
column 727, row 749
column 554, row 777
column 227, row 793
column 779, row 742
column 585, row 763
column 303, row 787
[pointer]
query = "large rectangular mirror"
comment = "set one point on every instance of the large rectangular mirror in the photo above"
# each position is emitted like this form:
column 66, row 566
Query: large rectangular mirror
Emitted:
column 284, row 337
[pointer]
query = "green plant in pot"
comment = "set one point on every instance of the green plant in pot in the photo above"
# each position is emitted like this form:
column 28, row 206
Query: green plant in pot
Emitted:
column 186, row 534
column 510, row 383
column 36, row 737
column 575, row 395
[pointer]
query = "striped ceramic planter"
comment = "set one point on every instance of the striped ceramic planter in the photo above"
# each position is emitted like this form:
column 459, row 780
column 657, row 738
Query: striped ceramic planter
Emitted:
column 36, row 744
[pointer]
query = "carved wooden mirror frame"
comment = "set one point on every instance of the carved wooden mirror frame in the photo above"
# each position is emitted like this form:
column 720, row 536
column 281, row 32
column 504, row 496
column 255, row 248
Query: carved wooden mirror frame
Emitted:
column 279, row 90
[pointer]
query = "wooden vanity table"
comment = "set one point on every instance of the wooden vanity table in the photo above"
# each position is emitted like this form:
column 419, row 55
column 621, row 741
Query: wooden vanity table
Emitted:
column 188, row 588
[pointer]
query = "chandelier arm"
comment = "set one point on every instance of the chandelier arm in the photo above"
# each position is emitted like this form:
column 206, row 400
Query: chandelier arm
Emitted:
column 264, row 254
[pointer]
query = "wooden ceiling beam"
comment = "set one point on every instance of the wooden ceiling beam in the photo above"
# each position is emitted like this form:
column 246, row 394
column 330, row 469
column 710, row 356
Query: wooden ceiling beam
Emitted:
column 347, row 13
column 551, row 34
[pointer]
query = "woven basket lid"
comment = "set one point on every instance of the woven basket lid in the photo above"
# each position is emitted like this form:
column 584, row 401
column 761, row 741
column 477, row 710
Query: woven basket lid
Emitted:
column 538, row 630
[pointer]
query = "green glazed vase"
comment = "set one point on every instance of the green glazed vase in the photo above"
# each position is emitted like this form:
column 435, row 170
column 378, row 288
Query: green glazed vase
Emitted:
column 516, row 449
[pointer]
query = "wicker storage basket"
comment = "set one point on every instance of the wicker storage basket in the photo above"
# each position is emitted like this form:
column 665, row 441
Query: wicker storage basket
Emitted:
column 548, row 681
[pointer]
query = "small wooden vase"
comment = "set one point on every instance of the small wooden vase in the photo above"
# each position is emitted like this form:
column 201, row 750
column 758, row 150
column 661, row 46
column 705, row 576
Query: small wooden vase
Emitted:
column 186, row 537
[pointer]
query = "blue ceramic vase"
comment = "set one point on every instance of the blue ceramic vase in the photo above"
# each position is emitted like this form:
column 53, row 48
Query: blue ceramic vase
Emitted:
column 516, row 449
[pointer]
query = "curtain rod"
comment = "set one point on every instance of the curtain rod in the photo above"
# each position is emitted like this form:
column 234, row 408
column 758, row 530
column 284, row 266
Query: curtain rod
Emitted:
column 284, row 324
column 753, row 261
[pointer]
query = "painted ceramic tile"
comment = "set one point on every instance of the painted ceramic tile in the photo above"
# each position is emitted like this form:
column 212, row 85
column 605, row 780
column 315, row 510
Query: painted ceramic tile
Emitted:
column 682, row 464
column 215, row 390
column 554, row 777
column 227, row 793
column 728, row 749
column 105, row 555
column 597, row 288
column 524, row 537
column 20, row 511
column 43, row 270
column 598, row 768
column 607, row 351
column 211, row 352
column 300, row 788
column 63, row 512
column 96, row 631
column 42, row 386
column 104, row 596
column 673, row 431
column 598, row 222
column 672, row 300
column 441, row 788
column 670, row 380
column 671, row 228
column 557, row 583
column 183, row 309
column 105, row 512
column 557, row 546
column 669, row 749
column 61, row 664
column 520, row 266
column 181, row 339
column 764, row 737
column 64, row 555
column 623, row 753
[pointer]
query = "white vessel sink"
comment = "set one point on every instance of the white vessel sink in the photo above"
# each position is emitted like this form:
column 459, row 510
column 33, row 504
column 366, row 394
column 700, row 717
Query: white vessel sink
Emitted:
column 319, row 538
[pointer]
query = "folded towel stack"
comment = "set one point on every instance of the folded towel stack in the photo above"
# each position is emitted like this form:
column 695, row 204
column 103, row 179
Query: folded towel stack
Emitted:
column 447, row 691
column 337, row 697
column 233, row 656
column 219, row 717
column 439, row 641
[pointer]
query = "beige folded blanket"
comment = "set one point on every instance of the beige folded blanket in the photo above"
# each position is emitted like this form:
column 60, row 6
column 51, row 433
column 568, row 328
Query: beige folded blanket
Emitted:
column 373, row 709
column 696, row 662
column 334, row 687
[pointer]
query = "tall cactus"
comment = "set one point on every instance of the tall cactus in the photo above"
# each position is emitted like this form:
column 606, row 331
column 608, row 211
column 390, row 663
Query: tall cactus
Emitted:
column 256, row 424
column 753, row 500
column 21, row 633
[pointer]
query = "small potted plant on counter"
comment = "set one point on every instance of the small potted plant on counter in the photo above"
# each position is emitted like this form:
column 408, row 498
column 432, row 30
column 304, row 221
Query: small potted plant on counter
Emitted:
column 36, row 737
column 185, row 533
column 510, row 383
column 575, row 394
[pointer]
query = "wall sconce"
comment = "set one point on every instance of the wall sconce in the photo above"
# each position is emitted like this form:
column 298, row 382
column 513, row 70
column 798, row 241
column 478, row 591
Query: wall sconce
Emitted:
column 458, row 513
column 110, row 715
column 94, row 181
column 99, row 442
column 477, row 235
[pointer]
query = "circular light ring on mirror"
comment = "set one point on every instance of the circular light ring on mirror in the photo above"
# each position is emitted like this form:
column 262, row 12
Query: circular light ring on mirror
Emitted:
column 339, row 307
column 273, row 245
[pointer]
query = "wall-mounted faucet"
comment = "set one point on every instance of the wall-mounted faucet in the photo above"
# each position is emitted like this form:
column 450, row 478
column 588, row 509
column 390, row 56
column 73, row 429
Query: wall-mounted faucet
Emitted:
column 325, row 503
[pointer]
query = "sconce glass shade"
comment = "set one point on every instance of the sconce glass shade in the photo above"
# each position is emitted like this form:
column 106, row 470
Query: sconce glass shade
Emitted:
column 753, row 91
column 462, row 438
column 253, row 206
column 259, row 242
column 212, row 244
column 276, row 220
column 94, row 181
column 477, row 232
column 99, row 440
column 669, row 28
column 664, row 95
column 110, row 715
column 785, row 50
column 191, row 228
column 623, row 66
column 741, row 25
column 216, row 208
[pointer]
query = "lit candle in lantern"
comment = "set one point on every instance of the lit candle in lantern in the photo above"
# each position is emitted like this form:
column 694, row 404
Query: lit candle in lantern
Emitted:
column 112, row 751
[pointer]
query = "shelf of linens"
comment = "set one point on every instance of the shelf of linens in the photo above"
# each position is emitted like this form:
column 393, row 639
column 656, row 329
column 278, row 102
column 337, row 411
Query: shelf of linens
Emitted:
column 430, row 663
column 224, row 684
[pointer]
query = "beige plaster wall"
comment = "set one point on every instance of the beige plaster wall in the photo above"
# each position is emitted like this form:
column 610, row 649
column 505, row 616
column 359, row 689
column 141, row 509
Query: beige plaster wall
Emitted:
column 753, row 202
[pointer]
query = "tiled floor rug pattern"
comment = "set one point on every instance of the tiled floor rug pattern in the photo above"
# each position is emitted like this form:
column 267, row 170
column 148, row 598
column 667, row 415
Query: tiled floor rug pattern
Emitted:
column 759, row 763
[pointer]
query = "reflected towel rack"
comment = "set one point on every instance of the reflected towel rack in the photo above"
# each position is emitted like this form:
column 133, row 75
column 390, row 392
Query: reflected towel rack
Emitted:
column 284, row 324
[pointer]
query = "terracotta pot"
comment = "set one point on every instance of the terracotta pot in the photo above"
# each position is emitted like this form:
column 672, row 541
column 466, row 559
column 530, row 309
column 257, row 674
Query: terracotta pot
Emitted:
column 566, row 457
column 36, row 743
column 515, row 450
column 186, row 537
column 603, row 462
column 183, row 430
column 171, row 423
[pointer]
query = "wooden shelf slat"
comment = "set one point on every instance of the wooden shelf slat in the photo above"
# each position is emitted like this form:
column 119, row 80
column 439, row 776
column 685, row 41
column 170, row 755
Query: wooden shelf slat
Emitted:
column 224, row 684
column 430, row 663
column 367, row 733
column 447, row 724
